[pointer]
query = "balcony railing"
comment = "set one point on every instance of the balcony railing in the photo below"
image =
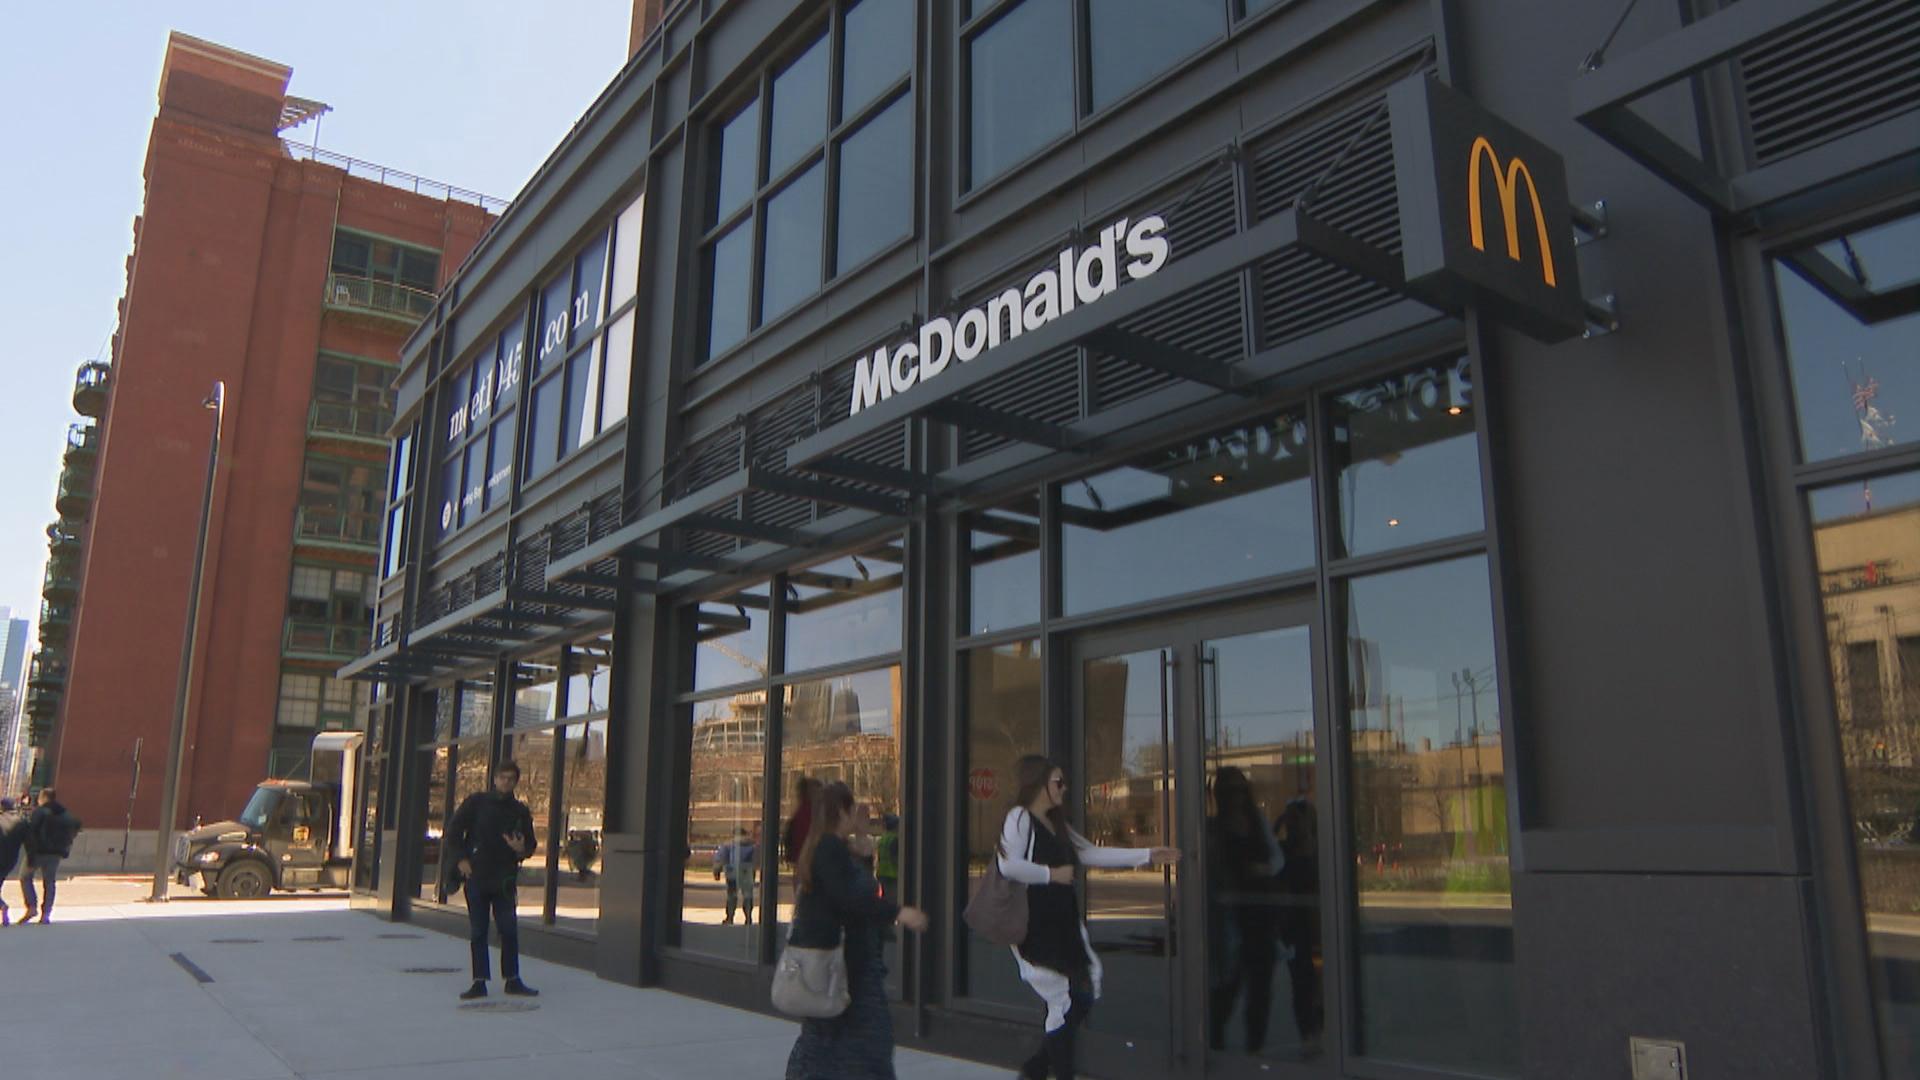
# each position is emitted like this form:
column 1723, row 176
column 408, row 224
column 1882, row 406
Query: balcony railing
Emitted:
column 330, row 640
column 90, row 387
column 345, row 418
column 325, row 527
column 82, row 439
column 380, row 297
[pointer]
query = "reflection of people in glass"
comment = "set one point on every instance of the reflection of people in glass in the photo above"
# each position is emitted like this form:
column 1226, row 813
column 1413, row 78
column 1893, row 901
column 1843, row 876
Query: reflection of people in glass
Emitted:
column 1243, row 859
column 1041, row 851
column 805, row 790
column 1299, row 914
column 886, row 857
column 735, row 862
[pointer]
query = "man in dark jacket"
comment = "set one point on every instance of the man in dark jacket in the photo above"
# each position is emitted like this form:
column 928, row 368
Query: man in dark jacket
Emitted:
column 490, row 834
column 13, row 836
column 50, row 834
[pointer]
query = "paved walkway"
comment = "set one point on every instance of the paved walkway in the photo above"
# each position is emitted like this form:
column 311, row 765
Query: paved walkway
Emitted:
column 303, row 988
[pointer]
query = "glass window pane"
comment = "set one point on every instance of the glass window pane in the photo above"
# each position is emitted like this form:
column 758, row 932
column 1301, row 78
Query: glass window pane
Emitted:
column 627, row 233
column 730, row 638
column 454, row 426
column 729, row 274
column 591, row 678
column 445, row 710
column 844, row 610
column 589, row 284
column 510, row 363
column 1003, row 556
column 1134, row 40
column 794, row 231
column 799, row 109
column 878, row 51
column 876, row 184
column 480, row 391
column 1232, row 507
column 476, row 707
column 1866, row 543
column 1020, row 85
column 533, row 752
column 1855, row 356
column 725, row 798
column 543, row 427
column 583, row 390
column 739, row 154
column 433, row 824
column 556, row 311
column 619, row 368
column 536, row 685
column 476, row 481
column 846, row 728
column 1254, row 7
column 1428, row 821
column 1407, row 460
column 583, row 806
column 500, row 463
column 1005, row 715
column 449, row 497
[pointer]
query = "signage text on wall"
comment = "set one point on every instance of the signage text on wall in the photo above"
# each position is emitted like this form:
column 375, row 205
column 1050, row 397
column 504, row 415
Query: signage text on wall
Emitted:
column 1075, row 278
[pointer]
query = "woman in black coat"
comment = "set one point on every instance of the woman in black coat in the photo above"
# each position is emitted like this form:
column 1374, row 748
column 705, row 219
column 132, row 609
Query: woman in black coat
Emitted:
column 840, row 901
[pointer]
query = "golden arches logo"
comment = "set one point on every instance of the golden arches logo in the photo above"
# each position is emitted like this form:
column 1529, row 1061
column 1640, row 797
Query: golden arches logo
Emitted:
column 1506, row 182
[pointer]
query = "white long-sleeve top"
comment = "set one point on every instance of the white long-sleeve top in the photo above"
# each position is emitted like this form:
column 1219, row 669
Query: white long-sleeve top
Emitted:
column 1016, row 846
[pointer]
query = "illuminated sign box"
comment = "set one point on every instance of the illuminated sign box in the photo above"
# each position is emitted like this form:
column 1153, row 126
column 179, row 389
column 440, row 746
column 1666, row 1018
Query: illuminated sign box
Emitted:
column 1485, row 217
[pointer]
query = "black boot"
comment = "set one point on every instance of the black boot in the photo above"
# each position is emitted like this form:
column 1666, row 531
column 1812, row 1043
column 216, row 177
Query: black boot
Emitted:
column 1060, row 1052
column 474, row 992
column 520, row 989
column 1035, row 1067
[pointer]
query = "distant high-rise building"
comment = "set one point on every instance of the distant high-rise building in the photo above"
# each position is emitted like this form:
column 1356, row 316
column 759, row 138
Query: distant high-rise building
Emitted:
column 13, row 657
column 292, row 275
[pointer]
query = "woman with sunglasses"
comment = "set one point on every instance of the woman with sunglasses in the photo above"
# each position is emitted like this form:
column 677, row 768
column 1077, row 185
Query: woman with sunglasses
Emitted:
column 1040, row 850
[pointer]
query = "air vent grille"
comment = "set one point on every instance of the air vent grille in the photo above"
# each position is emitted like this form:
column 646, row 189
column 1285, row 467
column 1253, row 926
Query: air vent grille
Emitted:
column 1846, row 70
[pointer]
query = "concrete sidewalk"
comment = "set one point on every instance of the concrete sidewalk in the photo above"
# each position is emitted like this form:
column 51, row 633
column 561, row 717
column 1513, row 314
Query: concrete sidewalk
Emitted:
column 304, row 988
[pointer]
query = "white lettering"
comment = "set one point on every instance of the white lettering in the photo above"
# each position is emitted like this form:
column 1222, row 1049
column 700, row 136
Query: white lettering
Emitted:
column 1146, row 248
column 1074, row 278
column 870, row 384
column 903, row 373
column 970, row 334
column 936, row 348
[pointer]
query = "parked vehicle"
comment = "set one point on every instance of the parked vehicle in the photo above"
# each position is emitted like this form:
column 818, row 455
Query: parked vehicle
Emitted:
column 293, row 834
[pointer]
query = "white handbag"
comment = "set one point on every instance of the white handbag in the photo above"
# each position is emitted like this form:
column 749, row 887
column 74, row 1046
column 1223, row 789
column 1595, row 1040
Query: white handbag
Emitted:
column 811, row 982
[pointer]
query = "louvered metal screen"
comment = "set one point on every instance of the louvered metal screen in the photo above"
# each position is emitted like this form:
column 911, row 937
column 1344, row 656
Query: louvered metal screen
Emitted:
column 1845, row 70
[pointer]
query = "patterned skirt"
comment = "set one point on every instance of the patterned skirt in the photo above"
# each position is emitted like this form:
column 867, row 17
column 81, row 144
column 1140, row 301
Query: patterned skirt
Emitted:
column 857, row 1044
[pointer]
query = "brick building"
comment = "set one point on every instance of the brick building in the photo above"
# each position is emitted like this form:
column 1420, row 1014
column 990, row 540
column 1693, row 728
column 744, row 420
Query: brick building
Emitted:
column 293, row 275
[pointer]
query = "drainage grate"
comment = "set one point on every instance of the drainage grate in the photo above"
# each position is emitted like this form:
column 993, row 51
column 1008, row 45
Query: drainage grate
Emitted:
column 430, row 971
column 499, row 1006
column 321, row 937
column 401, row 937
column 234, row 941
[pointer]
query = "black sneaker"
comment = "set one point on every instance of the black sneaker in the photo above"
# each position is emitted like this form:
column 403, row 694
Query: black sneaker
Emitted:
column 477, row 990
column 520, row 989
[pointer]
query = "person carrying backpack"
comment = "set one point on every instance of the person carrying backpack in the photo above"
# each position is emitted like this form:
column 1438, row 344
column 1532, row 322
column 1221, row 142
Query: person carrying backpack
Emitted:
column 13, row 836
column 50, row 835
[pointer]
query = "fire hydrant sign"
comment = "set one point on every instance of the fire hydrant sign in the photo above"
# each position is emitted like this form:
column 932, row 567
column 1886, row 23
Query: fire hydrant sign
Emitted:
column 980, row 784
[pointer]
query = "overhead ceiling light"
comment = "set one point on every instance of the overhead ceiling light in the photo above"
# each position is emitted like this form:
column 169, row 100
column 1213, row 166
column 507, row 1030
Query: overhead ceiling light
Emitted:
column 1454, row 410
column 1393, row 523
column 1219, row 478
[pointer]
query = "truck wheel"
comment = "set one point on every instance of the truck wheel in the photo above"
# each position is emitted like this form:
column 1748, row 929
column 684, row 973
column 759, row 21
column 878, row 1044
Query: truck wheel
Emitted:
column 245, row 881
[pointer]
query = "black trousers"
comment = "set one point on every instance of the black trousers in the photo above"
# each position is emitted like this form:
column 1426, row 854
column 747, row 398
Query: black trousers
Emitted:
column 495, row 905
column 1056, row 1053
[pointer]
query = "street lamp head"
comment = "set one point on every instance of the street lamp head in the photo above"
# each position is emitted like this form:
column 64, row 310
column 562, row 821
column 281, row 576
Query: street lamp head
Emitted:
column 215, row 398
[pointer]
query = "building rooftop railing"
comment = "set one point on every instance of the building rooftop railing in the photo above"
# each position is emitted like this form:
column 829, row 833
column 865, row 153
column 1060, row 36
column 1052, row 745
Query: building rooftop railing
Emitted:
column 406, row 181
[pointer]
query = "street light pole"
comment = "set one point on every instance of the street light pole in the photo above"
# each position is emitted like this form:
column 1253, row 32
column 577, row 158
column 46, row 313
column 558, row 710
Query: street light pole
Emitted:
column 176, row 740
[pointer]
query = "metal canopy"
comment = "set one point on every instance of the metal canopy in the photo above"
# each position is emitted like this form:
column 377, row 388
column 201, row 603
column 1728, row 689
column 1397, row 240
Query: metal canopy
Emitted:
column 1605, row 91
column 719, row 509
column 825, row 453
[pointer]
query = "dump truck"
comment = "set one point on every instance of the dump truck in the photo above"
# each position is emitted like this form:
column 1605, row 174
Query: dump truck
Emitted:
column 293, row 835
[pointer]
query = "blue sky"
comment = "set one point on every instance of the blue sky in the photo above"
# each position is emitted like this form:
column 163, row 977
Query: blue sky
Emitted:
column 474, row 93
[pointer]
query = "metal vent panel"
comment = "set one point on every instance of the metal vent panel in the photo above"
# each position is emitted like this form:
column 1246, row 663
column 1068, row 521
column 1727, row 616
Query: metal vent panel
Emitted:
column 1209, row 321
column 1846, row 70
column 1047, row 389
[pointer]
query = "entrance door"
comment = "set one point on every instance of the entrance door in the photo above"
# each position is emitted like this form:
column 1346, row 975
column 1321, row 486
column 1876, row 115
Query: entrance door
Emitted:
column 1202, row 735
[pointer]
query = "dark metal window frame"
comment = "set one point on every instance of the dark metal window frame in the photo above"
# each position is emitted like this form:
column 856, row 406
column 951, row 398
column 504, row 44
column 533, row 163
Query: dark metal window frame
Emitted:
column 448, row 450
column 751, row 213
column 986, row 13
column 543, row 370
column 1322, row 586
column 778, row 677
column 1842, row 961
column 367, row 271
